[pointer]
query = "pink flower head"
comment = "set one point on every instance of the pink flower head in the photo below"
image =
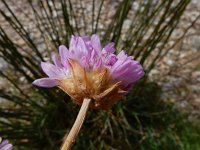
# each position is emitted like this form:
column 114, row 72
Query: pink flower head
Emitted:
column 92, row 58
column 5, row 145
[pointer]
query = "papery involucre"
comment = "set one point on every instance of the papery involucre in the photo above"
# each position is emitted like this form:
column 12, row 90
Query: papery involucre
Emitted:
column 120, row 70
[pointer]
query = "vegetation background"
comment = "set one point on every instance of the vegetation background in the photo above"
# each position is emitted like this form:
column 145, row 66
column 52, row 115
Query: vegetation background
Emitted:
column 162, row 110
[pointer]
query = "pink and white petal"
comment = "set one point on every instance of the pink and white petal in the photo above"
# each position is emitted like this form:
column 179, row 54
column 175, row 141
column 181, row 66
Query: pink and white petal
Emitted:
column 139, row 75
column 110, row 47
column 45, row 82
column 98, row 64
column 63, row 51
column 56, row 61
column 86, row 39
column 72, row 46
column 81, row 49
column 117, row 65
column 93, row 56
column 122, row 55
column 5, row 142
column 51, row 70
column 112, row 59
column 84, row 62
column 73, row 41
column 64, row 55
column 77, row 48
column 95, row 42
column 7, row 147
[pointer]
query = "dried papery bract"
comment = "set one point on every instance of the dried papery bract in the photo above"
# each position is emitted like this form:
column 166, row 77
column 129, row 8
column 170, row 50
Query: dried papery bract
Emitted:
column 95, row 84
column 94, row 77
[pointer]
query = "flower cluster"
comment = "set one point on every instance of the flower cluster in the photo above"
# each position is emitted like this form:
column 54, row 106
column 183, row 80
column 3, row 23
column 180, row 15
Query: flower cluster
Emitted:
column 88, row 70
column 5, row 145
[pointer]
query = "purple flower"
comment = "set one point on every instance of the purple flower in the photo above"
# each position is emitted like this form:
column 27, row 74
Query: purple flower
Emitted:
column 5, row 145
column 85, row 58
column 126, row 70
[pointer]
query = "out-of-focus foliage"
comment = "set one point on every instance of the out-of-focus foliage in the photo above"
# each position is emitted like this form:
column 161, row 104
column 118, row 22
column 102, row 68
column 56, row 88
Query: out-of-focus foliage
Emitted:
column 36, row 118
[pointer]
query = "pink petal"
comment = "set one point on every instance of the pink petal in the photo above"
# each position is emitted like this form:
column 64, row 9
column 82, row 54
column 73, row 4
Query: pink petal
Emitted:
column 126, row 69
column 122, row 55
column 48, row 69
column 95, row 41
column 5, row 142
column 45, row 82
column 110, row 47
column 7, row 147
column 81, row 48
column 56, row 61
column 77, row 48
column 52, row 71
column 64, row 54
column 86, row 39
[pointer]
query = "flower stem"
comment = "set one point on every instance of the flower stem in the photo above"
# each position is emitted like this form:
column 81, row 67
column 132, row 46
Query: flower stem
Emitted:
column 69, row 139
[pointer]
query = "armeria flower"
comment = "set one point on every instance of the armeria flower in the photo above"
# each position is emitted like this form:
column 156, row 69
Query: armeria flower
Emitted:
column 86, row 70
column 5, row 145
